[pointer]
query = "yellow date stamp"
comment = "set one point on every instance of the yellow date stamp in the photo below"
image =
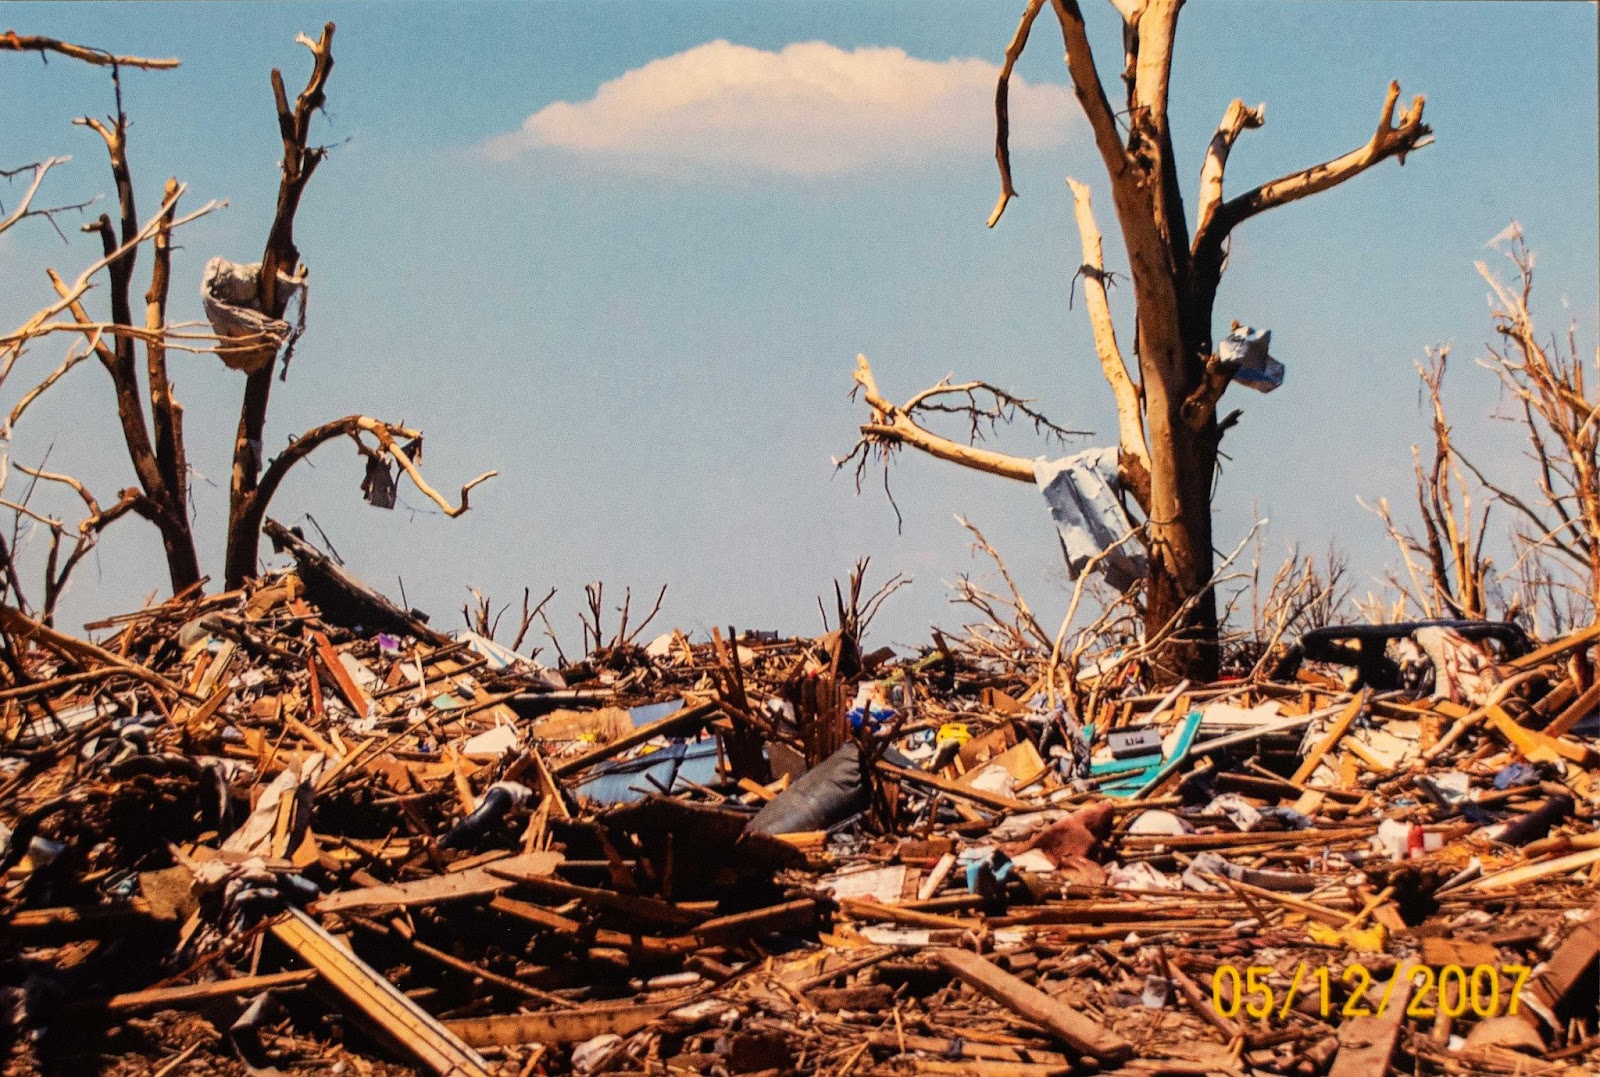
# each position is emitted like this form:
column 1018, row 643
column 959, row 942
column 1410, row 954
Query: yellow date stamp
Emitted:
column 1257, row 991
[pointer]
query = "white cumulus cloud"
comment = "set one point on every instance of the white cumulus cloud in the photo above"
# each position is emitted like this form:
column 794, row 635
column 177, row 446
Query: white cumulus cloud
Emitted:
column 811, row 109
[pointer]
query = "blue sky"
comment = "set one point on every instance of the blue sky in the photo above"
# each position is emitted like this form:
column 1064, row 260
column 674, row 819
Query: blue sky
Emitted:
column 654, row 346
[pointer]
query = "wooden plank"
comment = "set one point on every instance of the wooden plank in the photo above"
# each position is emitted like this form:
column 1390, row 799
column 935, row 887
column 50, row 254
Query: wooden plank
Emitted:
column 474, row 882
column 644, row 733
column 178, row 998
column 378, row 1001
column 1341, row 725
column 650, row 910
column 950, row 788
column 1580, row 709
column 1060, row 1020
column 559, row 1026
column 1366, row 1044
column 68, row 922
column 1560, row 647
column 1561, row 865
column 343, row 683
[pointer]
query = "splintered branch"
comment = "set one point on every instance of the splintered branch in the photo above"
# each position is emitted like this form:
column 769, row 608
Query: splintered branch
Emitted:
column 1026, row 624
column 1238, row 117
column 351, row 426
column 12, row 41
column 1002, row 109
column 1392, row 138
column 1090, row 92
column 87, row 533
column 11, row 343
column 72, row 359
column 1130, row 411
column 299, row 161
column 893, row 425
column 24, row 208
column 386, row 435
column 166, row 413
column 1561, row 419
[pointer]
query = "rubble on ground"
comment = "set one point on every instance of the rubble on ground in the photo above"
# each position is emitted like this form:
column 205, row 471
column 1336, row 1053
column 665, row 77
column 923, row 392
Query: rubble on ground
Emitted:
column 295, row 829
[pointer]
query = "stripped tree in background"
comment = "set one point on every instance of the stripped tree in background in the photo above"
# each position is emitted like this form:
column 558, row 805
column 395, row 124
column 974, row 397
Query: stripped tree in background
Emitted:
column 1553, row 579
column 1168, row 423
column 155, row 442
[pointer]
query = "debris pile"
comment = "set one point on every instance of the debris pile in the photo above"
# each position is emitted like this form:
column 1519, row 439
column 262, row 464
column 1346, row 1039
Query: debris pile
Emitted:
column 295, row 829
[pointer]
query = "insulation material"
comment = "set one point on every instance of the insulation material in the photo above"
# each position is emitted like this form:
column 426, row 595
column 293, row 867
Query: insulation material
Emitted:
column 1081, row 491
column 251, row 338
column 1248, row 349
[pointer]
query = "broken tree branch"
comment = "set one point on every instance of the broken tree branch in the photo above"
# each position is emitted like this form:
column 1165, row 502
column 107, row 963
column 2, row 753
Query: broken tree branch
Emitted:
column 892, row 425
column 1130, row 418
column 1392, row 138
column 1002, row 109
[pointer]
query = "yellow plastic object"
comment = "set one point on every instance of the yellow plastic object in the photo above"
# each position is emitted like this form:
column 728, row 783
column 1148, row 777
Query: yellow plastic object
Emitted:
column 1362, row 940
column 956, row 731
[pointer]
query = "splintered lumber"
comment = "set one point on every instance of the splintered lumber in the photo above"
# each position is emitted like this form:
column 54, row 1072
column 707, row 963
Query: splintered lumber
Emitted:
column 1313, row 837
column 1534, row 659
column 1341, row 725
column 989, row 1067
column 796, row 915
column 68, row 922
column 24, row 629
column 1573, row 961
column 651, row 910
column 454, row 886
column 950, row 788
column 963, row 1048
column 378, row 1001
column 1535, row 747
column 195, row 995
column 340, row 677
column 1366, row 1044
column 875, row 911
column 1526, row 873
column 1575, row 712
column 559, row 1026
column 671, row 722
column 1062, row 1021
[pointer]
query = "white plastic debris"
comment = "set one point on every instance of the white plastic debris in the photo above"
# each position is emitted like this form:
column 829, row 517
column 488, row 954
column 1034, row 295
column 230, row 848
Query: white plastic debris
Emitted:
column 590, row 1053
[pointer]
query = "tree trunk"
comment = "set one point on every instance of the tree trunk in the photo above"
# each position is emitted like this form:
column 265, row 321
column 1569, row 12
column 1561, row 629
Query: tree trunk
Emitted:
column 1180, row 605
column 183, row 565
column 1181, row 560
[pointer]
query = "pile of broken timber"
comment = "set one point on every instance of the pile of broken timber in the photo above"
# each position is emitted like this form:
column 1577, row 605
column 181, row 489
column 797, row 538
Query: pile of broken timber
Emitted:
column 295, row 827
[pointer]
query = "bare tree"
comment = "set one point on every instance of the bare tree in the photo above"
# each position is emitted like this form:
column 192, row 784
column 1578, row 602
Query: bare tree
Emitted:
column 1447, row 567
column 1448, row 572
column 1558, row 404
column 1168, row 423
column 155, row 441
